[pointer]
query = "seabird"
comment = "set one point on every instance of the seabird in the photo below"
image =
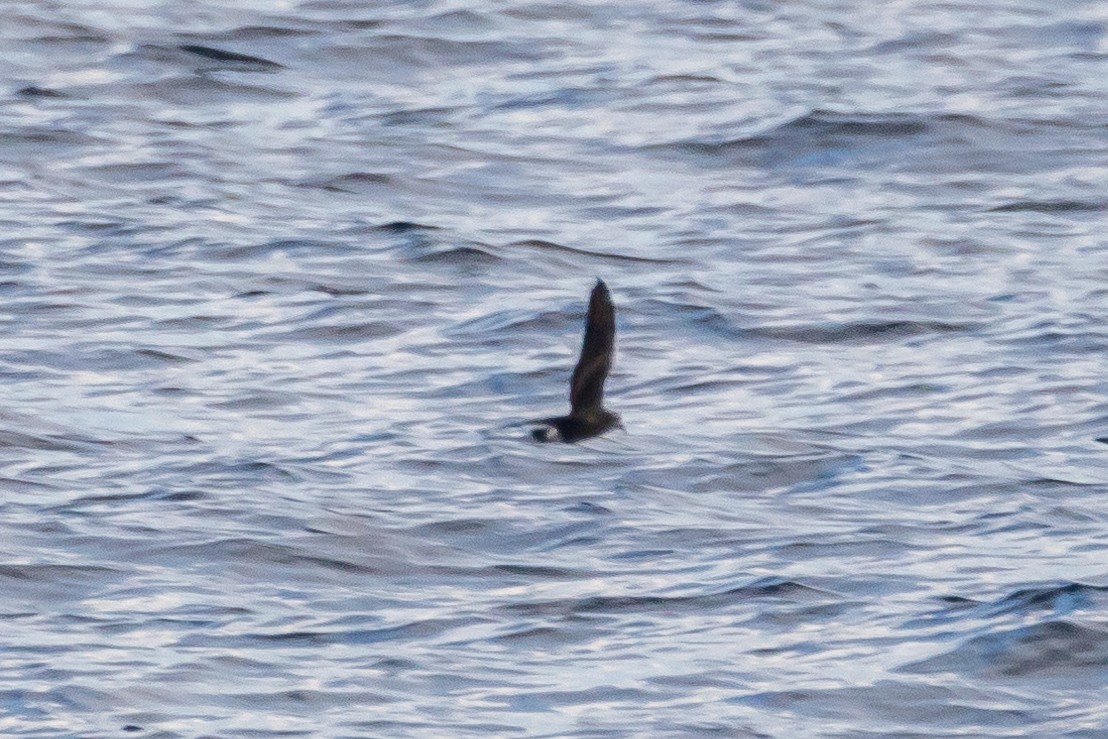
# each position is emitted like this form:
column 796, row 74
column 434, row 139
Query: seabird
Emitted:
column 587, row 416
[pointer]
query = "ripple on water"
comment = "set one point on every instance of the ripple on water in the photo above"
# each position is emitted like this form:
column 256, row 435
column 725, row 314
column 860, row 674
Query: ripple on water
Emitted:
column 1057, row 651
column 283, row 289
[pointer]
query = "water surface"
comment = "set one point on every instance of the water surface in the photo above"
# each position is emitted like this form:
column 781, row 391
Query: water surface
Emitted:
column 279, row 282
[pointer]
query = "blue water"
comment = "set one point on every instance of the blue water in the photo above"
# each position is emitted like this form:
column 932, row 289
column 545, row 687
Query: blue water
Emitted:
column 279, row 282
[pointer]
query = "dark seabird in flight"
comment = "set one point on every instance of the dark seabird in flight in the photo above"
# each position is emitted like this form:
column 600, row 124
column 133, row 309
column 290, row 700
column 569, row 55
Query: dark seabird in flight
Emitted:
column 587, row 416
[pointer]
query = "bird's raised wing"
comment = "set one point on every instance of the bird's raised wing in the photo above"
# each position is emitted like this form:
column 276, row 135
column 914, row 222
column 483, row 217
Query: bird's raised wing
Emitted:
column 586, row 389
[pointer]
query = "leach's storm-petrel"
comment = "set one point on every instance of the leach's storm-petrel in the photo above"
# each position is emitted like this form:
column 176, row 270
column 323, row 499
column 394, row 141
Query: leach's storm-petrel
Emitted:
column 587, row 416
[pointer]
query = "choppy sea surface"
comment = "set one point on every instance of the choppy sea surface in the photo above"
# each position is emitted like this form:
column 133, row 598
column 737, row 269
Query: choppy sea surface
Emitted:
column 280, row 282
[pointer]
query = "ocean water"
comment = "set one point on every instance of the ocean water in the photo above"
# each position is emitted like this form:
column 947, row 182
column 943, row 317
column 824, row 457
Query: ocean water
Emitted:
column 280, row 284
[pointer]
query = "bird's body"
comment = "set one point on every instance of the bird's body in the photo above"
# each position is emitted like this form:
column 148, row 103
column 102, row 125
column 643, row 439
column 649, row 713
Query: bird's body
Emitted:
column 575, row 428
column 587, row 416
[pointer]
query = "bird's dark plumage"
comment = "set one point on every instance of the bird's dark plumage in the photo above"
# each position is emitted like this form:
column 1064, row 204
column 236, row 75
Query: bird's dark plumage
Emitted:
column 587, row 415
